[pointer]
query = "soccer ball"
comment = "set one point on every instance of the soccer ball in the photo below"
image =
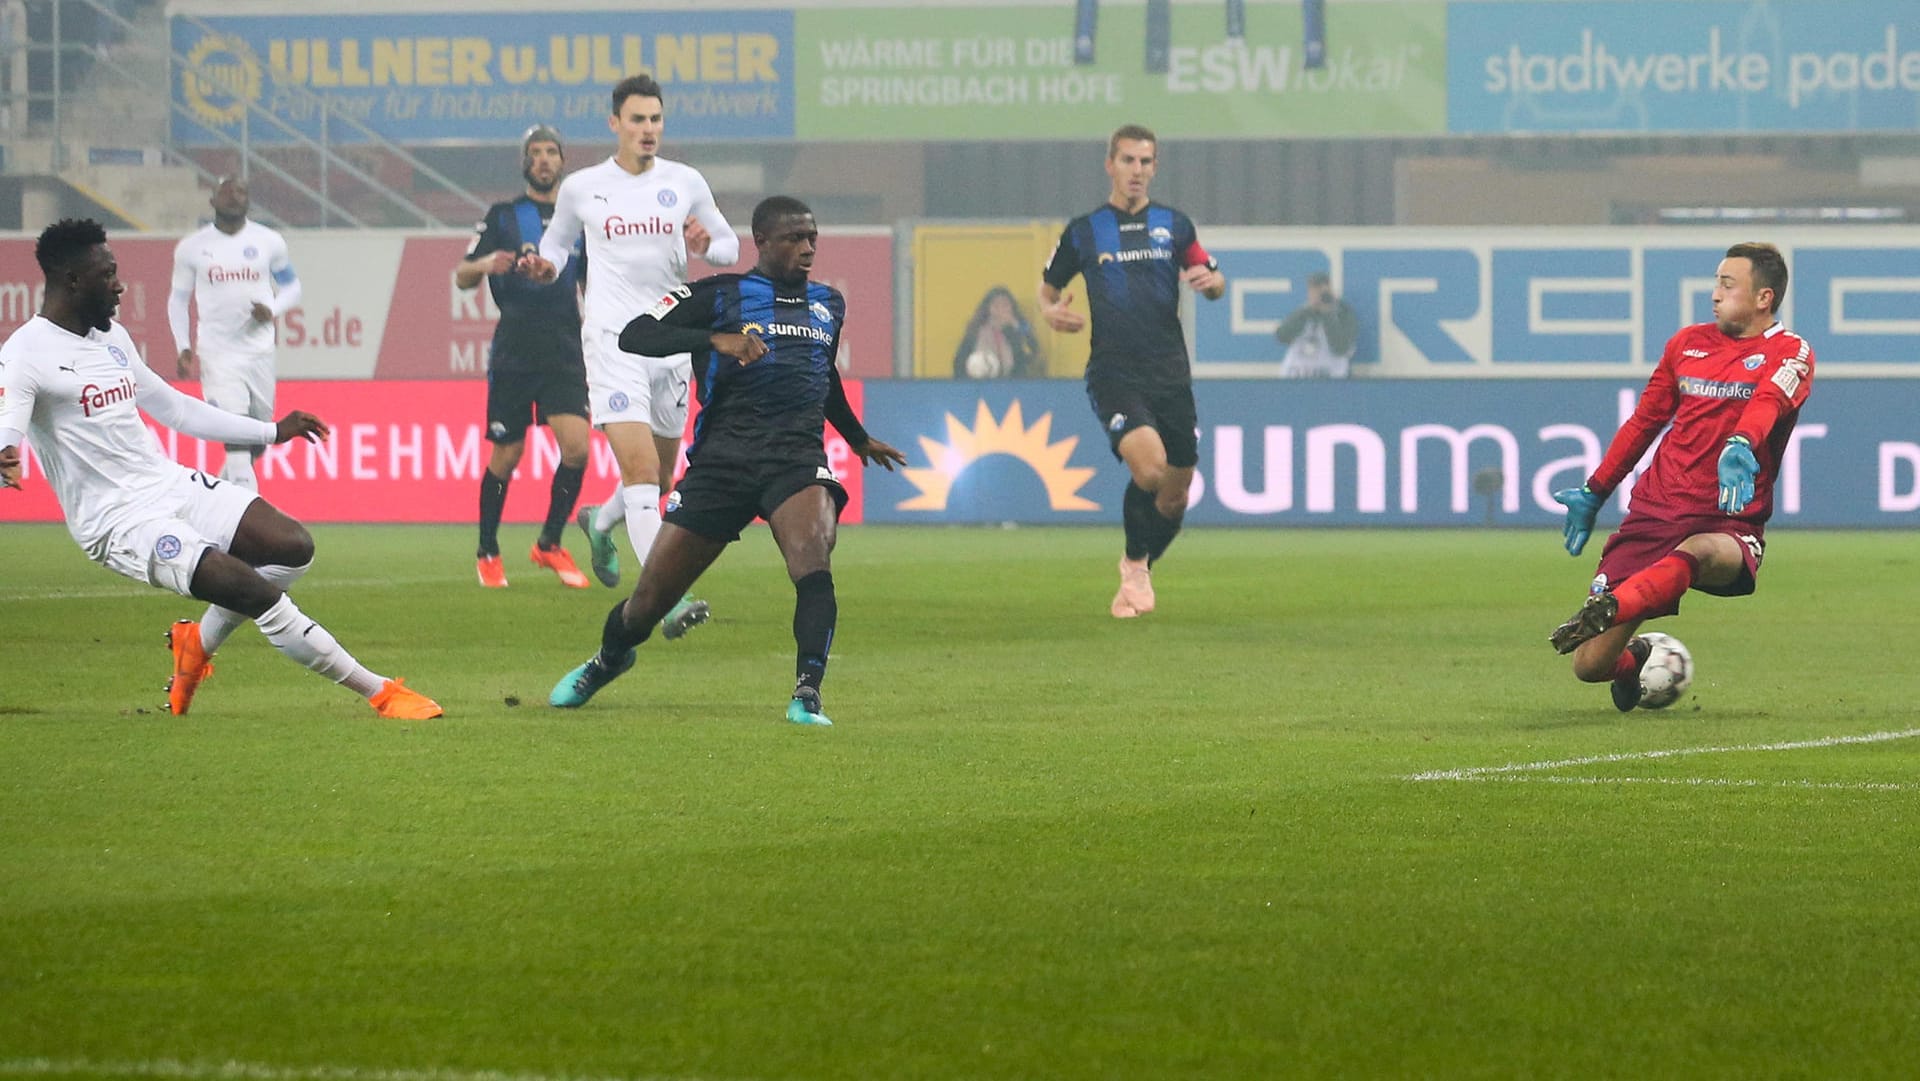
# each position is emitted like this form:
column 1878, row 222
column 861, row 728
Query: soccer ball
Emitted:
column 1668, row 671
column 985, row 364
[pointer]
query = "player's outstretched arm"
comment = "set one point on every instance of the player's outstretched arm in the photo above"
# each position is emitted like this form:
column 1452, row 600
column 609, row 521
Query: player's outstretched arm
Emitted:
column 193, row 417
column 300, row 424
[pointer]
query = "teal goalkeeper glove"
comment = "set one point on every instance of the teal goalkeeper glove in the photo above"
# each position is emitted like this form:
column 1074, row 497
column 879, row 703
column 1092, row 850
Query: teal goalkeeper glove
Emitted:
column 1583, row 505
column 1738, row 467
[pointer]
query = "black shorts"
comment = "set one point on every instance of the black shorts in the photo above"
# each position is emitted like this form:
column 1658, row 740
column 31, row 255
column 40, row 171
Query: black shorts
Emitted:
column 516, row 399
column 1168, row 410
column 718, row 501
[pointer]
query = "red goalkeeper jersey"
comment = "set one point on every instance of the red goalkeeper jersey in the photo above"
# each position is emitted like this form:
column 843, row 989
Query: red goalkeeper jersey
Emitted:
column 1710, row 387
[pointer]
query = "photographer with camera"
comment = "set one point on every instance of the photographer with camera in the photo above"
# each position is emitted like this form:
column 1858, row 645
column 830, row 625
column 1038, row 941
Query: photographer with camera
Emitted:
column 1320, row 335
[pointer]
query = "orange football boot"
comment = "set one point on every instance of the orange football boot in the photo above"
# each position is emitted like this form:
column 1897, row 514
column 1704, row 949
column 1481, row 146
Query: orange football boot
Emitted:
column 559, row 562
column 493, row 574
column 397, row 702
column 190, row 665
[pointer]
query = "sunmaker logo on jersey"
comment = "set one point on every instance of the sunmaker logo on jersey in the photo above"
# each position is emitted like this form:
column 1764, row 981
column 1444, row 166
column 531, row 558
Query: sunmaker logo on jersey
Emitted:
column 1712, row 388
column 94, row 397
column 801, row 330
column 1133, row 256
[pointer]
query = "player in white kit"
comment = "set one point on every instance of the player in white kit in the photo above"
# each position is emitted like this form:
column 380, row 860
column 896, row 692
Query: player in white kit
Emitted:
column 237, row 273
column 72, row 381
column 641, row 215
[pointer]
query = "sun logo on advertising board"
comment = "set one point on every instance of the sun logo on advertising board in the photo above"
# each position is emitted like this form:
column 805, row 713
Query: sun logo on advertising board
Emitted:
column 1010, row 436
column 220, row 79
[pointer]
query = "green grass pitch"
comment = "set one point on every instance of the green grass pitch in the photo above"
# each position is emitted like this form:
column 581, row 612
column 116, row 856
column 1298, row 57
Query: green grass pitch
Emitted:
column 1038, row 843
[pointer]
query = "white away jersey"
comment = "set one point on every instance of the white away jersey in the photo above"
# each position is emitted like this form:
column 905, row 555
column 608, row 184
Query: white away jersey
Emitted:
column 227, row 274
column 75, row 399
column 633, row 225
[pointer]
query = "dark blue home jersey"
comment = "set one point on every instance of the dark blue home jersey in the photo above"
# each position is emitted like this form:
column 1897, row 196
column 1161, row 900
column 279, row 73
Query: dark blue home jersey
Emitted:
column 539, row 326
column 1132, row 265
column 775, row 407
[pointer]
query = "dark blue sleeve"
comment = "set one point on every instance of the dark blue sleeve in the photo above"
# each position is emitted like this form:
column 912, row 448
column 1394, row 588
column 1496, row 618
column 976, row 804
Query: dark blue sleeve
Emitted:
column 1066, row 259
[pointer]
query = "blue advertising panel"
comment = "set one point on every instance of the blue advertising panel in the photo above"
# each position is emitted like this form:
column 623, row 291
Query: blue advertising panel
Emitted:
column 1574, row 302
column 1397, row 452
column 1672, row 66
column 464, row 78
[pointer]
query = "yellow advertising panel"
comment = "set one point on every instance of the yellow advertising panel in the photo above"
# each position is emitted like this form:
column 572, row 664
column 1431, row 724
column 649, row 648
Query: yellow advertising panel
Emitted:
column 976, row 307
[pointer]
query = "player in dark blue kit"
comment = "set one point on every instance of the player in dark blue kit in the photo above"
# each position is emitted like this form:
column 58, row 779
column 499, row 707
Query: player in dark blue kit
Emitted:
column 763, row 346
column 535, row 372
column 1134, row 254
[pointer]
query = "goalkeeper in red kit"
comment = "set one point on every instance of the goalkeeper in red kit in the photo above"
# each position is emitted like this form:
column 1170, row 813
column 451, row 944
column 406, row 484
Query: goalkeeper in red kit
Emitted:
column 1732, row 390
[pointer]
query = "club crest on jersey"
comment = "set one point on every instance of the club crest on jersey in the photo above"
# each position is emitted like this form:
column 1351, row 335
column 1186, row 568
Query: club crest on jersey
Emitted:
column 167, row 547
column 668, row 197
column 619, row 402
column 820, row 312
column 1754, row 361
column 1160, row 232
column 249, row 252
column 118, row 356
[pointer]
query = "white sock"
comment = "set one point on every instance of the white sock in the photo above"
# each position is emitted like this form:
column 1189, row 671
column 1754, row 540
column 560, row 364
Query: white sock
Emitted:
column 292, row 633
column 238, row 469
column 611, row 512
column 220, row 623
column 643, row 516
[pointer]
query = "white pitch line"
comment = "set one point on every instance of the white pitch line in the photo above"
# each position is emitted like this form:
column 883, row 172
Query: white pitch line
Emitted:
column 179, row 1070
column 1640, row 756
column 1697, row 782
column 134, row 589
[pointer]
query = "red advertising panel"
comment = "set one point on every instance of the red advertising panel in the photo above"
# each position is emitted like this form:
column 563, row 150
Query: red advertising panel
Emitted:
column 402, row 451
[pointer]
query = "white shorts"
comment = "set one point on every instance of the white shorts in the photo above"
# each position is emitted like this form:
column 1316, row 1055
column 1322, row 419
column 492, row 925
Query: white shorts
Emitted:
column 161, row 543
column 239, row 384
column 628, row 387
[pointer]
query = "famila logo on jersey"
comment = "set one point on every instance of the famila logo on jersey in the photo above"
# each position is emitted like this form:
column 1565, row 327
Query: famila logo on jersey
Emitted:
column 220, row 275
column 654, row 226
column 93, row 396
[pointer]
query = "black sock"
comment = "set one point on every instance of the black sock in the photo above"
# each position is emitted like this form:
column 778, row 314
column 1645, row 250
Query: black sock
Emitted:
column 1164, row 530
column 1137, row 518
column 493, row 500
column 814, row 612
column 565, row 493
column 616, row 637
